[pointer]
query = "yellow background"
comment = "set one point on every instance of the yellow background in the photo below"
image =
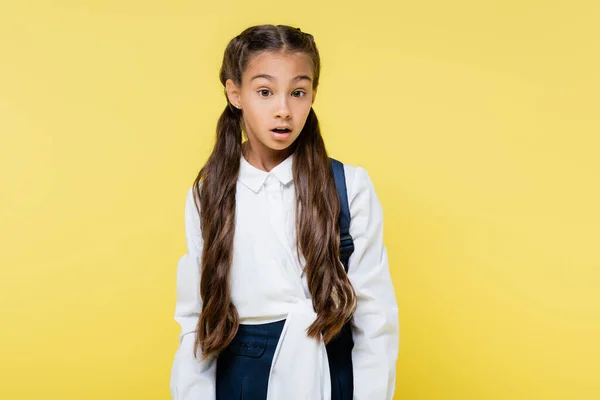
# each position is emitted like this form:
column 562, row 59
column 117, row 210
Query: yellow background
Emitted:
column 478, row 122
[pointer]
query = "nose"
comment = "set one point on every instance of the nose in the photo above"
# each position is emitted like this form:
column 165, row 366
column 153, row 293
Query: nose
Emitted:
column 283, row 109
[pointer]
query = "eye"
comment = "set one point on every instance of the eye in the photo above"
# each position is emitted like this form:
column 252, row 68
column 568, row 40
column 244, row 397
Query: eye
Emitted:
column 262, row 91
column 298, row 93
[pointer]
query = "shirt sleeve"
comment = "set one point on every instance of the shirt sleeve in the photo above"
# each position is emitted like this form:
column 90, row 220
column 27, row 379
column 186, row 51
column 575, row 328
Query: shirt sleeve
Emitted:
column 375, row 326
column 191, row 377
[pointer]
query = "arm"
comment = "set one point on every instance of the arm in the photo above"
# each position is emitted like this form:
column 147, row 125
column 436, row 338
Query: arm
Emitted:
column 191, row 378
column 375, row 325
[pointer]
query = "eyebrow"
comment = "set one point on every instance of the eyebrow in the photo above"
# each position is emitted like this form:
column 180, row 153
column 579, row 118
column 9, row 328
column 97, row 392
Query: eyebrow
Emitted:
column 272, row 78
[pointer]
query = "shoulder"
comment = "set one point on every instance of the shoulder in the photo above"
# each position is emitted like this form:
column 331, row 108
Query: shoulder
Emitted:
column 192, row 223
column 190, row 202
column 362, row 199
column 358, row 181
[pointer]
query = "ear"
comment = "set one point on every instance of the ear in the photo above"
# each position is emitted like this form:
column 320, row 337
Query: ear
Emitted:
column 314, row 94
column 233, row 93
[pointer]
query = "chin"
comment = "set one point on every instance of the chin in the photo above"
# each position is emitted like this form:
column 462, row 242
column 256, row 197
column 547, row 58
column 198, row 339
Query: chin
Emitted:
column 280, row 145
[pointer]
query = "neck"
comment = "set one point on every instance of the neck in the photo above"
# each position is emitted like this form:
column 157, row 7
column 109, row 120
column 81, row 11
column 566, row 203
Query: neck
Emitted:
column 262, row 157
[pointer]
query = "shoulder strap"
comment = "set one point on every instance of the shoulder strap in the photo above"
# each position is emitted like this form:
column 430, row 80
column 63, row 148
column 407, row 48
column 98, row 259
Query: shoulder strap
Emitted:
column 346, row 242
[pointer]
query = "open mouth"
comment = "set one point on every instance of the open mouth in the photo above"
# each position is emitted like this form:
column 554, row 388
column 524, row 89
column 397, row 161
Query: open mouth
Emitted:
column 281, row 130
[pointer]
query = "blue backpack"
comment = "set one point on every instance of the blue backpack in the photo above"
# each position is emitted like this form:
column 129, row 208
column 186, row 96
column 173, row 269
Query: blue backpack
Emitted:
column 346, row 242
column 339, row 349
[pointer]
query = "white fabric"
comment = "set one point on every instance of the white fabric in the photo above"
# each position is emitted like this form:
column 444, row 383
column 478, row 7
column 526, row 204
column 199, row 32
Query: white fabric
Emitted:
column 268, row 285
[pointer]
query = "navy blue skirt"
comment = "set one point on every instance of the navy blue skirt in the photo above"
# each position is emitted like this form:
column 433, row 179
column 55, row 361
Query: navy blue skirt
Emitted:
column 243, row 367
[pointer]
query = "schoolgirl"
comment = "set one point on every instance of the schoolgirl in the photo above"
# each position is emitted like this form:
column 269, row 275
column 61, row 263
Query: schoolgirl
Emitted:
column 266, row 307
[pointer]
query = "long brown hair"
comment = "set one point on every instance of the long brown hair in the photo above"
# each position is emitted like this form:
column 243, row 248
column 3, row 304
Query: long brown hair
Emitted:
column 317, row 204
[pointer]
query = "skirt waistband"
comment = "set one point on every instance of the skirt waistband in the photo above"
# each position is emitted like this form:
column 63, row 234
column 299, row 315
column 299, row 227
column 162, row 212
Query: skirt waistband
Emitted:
column 271, row 330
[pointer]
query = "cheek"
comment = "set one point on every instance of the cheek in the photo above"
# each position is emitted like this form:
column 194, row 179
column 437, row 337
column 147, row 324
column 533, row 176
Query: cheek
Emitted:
column 255, row 110
column 254, row 119
column 306, row 109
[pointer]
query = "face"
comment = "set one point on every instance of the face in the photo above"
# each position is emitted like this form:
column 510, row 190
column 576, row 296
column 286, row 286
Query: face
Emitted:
column 275, row 98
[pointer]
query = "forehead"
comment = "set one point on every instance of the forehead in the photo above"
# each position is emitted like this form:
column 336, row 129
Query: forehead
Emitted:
column 282, row 66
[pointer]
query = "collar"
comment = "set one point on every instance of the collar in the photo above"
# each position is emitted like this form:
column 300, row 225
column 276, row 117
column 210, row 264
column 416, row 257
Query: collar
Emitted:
column 254, row 178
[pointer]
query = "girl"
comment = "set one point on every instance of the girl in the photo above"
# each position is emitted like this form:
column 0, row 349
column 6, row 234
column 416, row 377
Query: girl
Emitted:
column 266, row 309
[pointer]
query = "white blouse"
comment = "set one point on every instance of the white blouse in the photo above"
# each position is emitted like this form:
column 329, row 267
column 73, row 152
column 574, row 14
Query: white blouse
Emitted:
column 267, row 284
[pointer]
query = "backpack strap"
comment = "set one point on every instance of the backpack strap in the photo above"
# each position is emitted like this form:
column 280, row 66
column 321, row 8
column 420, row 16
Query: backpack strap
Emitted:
column 346, row 242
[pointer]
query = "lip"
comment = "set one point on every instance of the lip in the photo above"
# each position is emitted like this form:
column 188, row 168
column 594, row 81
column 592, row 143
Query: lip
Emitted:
column 280, row 136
